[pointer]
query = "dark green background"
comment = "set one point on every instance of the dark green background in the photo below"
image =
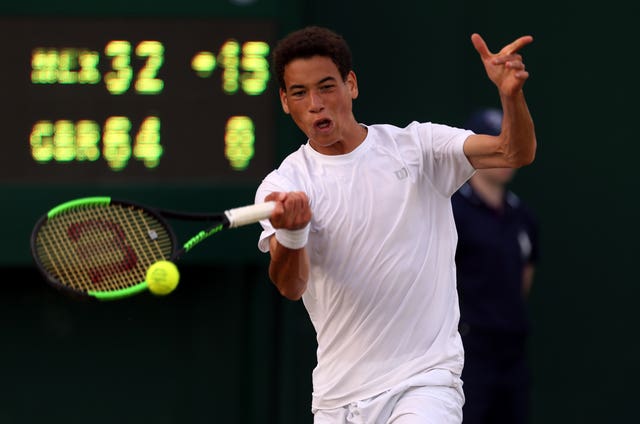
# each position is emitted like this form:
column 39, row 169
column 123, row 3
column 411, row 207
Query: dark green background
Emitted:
column 225, row 348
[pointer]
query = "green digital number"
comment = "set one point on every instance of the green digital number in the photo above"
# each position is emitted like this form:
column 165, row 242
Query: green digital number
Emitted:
column 147, row 146
column 65, row 66
column 146, row 82
column 116, row 141
column 64, row 149
column 41, row 141
column 64, row 141
column 74, row 66
column 229, row 60
column 119, row 79
column 68, row 66
column 44, row 66
column 88, row 61
column 53, row 141
column 254, row 61
column 239, row 142
column 87, row 139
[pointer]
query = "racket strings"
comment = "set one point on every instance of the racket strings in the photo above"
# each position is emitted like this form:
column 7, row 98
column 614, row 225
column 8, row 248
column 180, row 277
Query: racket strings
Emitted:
column 58, row 255
column 103, row 248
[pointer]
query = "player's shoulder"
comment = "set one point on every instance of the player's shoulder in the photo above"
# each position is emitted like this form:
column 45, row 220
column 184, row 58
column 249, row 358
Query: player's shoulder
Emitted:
column 396, row 138
column 416, row 131
column 289, row 172
column 393, row 130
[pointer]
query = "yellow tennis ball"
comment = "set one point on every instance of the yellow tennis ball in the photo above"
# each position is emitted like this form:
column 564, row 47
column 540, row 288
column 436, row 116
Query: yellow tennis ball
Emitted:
column 162, row 277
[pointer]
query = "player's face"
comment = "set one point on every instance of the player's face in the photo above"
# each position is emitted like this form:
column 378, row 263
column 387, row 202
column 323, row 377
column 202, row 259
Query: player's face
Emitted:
column 320, row 102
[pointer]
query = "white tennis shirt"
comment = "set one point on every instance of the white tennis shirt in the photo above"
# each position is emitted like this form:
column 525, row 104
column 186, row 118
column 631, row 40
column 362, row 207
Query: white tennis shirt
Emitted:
column 382, row 290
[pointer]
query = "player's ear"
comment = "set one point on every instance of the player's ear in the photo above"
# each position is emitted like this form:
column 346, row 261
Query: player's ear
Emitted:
column 352, row 83
column 283, row 101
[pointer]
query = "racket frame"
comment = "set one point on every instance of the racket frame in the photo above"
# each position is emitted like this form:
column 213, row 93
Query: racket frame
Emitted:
column 161, row 215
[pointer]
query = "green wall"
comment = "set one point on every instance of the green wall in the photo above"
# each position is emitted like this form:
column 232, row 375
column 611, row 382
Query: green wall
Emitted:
column 583, row 96
column 226, row 348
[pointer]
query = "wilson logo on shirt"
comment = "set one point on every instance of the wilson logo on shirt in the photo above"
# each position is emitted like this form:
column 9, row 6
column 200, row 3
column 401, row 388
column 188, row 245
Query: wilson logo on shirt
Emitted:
column 401, row 173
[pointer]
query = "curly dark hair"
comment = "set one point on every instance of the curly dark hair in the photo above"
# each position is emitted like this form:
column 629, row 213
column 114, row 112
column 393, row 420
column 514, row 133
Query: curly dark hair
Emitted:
column 308, row 42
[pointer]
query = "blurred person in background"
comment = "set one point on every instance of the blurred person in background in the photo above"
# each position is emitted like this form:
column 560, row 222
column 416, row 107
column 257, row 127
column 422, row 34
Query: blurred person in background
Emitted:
column 495, row 257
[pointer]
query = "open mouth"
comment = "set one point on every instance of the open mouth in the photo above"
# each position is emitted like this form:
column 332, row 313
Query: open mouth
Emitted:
column 322, row 124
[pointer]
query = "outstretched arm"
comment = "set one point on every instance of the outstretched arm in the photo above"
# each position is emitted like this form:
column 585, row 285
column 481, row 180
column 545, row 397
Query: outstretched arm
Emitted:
column 516, row 144
column 289, row 266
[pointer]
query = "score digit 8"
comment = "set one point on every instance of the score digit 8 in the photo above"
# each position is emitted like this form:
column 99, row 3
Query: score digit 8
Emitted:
column 239, row 142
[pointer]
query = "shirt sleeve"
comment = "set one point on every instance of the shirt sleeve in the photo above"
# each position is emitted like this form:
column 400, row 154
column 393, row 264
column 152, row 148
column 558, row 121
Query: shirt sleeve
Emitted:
column 445, row 162
column 272, row 183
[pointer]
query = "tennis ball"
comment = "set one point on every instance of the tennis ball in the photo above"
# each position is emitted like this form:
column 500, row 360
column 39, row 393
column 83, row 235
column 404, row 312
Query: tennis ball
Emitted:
column 162, row 277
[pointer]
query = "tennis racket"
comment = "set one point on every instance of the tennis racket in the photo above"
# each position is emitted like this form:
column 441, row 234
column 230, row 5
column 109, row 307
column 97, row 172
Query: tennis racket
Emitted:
column 98, row 247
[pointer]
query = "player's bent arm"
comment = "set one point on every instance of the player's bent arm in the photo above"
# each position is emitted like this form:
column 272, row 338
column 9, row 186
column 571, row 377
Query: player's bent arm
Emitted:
column 288, row 269
column 289, row 266
column 516, row 144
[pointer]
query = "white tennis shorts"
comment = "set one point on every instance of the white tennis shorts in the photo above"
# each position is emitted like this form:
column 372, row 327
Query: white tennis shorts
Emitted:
column 434, row 397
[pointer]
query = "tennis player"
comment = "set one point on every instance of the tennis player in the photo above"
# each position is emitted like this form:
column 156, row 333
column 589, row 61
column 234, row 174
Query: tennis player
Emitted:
column 363, row 232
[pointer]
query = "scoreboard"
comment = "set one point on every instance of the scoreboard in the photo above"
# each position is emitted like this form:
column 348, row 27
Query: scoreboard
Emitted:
column 177, row 110
column 115, row 100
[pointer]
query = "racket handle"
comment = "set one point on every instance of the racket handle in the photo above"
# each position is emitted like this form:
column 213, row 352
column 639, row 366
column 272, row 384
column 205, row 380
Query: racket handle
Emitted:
column 251, row 214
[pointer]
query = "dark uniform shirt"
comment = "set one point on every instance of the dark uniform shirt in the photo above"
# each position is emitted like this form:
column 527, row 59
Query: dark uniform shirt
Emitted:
column 493, row 249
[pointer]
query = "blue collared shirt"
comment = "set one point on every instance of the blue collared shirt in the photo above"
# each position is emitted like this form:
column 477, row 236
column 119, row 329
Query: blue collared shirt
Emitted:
column 493, row 248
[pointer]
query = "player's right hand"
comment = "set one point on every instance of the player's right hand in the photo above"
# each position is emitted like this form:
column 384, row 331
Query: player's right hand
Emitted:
column 292, row 210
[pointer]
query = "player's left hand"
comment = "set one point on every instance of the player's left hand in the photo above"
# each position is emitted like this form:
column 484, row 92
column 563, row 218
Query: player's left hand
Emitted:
column 504, row 68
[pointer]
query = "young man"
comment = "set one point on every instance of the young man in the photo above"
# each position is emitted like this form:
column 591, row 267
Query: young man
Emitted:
column 497, row 250
column 363, row 232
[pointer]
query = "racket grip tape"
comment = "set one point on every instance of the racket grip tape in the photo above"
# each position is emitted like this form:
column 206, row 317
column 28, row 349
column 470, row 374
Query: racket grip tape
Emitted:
column 251, row 214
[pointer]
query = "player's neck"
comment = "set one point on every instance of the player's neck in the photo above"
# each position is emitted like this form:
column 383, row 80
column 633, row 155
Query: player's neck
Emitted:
column 348, row 142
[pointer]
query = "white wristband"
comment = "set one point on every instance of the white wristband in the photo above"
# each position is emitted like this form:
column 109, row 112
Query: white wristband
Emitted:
column 293, row 239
